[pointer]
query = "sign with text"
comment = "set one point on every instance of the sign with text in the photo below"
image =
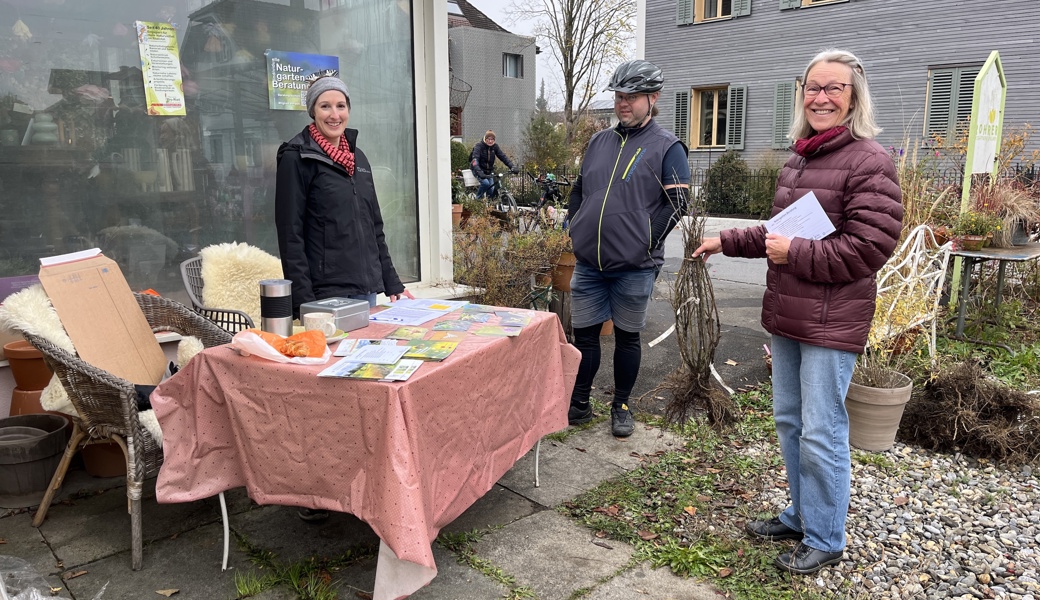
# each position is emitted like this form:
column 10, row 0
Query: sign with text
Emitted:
column 290, row 73
column 160, row 68
column 987, row 116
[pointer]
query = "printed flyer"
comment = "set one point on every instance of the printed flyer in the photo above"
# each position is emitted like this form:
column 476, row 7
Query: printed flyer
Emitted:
column 289, row 74
column 161, row 68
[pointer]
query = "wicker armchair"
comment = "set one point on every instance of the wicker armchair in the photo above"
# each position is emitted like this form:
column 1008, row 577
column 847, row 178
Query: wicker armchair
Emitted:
column 107, row 407
column 228, row 319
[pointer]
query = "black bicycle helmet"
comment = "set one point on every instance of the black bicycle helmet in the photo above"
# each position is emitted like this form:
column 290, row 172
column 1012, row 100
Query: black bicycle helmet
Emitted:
column 637, row 77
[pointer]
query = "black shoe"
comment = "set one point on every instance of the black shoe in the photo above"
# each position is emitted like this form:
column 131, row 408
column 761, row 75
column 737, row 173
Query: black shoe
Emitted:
column 579, row 416
column 772, row 530
column 313, row 515
column 805, row 560
column 621, row 423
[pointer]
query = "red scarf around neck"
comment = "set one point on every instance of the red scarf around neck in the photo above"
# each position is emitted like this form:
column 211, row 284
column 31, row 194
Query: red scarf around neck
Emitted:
column 342, row 155
column 808, row 146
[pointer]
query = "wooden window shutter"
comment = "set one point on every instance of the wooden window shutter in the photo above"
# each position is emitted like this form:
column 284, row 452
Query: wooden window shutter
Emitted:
column 786, row 4
column 682, row 117
column 683, row 12
column 783, row 112
column 741, row 8
column 965, row 92
column 940, row 97
column 737, row 104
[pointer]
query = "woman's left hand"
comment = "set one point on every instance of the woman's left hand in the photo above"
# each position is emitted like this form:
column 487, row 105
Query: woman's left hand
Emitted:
column 405, row 293
column 777, row 247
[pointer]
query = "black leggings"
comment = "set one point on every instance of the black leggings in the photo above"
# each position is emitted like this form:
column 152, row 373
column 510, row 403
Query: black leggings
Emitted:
column 627, row 355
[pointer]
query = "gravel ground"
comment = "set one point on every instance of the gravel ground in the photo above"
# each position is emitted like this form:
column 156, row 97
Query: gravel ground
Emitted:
column 929, row 525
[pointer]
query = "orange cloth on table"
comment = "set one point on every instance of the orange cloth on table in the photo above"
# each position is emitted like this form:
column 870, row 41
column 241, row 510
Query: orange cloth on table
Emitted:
column 306, row 343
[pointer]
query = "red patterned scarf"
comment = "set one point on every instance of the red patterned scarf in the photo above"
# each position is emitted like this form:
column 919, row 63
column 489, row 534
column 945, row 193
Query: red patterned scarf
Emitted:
column 808, row 146
column 342, row 155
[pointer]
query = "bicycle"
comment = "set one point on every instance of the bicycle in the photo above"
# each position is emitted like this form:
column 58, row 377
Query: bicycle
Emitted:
column 546, row 213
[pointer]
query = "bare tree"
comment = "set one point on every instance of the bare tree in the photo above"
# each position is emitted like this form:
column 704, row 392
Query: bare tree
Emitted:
column 586, row 38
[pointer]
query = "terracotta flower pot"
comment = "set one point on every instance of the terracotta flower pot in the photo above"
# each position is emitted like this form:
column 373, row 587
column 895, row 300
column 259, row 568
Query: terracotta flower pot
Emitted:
column 27, row 366
column 971, row 243
column 456, row 216
column 562, row 272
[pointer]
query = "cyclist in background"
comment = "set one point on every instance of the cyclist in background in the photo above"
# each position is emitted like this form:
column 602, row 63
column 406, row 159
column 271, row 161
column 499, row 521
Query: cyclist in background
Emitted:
column 482, row 162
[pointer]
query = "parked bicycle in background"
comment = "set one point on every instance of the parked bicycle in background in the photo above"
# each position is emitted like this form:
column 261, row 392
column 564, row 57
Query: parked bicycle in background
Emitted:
column 550, row 211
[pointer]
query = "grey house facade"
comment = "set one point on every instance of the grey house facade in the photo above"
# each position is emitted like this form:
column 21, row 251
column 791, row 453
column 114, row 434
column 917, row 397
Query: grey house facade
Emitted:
column 732, row 66
column 499, row 67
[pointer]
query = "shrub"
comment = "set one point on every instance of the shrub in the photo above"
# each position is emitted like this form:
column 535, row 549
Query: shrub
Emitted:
column 460, row 154
column 725, row 186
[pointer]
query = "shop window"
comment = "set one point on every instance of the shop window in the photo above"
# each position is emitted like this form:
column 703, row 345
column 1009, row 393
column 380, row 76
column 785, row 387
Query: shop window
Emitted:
column 84, row 164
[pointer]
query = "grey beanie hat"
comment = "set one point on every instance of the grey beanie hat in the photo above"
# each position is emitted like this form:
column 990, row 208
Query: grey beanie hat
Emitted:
column 322, row 85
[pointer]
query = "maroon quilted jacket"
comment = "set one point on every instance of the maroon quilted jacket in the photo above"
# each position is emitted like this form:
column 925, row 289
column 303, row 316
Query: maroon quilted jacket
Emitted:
column 825, row 295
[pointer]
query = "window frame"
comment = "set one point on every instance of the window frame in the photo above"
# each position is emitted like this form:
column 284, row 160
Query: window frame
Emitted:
column 516, row 60
column 732, row 135
column 689, row 12
column 957, row 102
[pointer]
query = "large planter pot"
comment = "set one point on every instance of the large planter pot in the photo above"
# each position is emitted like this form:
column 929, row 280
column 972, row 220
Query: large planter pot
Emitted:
column 27, row 366
column 104, row 459
column 562, row 272
column 971, row 243
column 874, row 413
column 31, row 447
column 456, row 216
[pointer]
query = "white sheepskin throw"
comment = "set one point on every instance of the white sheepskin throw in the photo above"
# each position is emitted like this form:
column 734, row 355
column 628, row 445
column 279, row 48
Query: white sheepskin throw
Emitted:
column 231, row 275
column 31, row 311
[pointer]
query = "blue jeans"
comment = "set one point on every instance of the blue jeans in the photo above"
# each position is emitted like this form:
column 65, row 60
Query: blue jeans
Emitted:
column 623, row 296
column 809, row 385
column 485, row 185
column 370, row 298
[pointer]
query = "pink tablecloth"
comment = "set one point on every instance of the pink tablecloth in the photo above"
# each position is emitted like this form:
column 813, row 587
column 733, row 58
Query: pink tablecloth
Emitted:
column 407, row 458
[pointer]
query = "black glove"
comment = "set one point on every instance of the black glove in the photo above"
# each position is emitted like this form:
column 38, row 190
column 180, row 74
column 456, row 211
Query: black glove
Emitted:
column 514, row 170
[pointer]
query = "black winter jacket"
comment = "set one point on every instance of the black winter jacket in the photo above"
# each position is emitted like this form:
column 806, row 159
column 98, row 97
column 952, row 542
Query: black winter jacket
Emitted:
column 482, row 160
column 330, row 230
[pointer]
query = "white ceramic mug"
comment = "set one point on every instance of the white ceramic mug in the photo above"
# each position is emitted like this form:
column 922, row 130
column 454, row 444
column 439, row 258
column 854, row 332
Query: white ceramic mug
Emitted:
column 320, row 321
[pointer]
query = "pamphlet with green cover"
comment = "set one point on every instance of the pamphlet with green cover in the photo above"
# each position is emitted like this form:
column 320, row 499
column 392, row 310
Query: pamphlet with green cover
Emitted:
column 408, row 332
column 429, row 350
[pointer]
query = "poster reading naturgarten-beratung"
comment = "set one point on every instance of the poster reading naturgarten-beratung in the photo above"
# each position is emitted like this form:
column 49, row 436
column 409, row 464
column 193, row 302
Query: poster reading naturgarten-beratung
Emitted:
column 289, row 74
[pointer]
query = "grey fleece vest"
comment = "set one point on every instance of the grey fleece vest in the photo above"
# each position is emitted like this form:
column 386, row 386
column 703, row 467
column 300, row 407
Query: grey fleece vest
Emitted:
column 621, row 184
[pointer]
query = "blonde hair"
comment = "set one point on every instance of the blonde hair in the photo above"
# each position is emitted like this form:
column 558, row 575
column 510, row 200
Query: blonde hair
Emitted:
column 860, row 119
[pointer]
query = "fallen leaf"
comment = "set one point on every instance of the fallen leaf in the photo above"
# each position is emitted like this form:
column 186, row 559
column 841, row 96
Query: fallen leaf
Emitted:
column 55, row 591
column 690, row 510
column 703, row 498
column 363, row 595
column 580, row 449
column 634, row 454
column 900, row 500
column 711, row 470
column 73, row 575
column 602, row 544
column 166, row 593
column 601, row 534
column 725, row 572
column 613, row 510
column 646, row 536
column 3, row 541
column 731, row 362
column 174, row 536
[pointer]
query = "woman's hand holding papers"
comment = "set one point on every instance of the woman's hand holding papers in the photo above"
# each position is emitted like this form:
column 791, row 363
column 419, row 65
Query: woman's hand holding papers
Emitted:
column 777, row 247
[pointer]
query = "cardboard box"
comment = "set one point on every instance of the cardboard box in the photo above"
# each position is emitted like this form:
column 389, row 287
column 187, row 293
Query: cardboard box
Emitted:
column 101, row 315
column 350, row 314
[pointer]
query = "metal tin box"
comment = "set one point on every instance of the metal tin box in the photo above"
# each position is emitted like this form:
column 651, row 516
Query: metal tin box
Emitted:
column 350, row 314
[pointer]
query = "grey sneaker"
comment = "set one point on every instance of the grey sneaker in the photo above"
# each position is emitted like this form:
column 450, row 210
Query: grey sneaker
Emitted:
column 578, row 415
column 621, row 423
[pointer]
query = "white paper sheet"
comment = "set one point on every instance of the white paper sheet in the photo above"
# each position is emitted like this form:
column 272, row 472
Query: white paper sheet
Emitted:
column 804, row 218
column 400, row 315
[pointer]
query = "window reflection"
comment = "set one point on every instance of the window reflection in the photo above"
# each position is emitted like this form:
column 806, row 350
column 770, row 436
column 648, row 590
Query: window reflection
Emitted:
column 83, row 165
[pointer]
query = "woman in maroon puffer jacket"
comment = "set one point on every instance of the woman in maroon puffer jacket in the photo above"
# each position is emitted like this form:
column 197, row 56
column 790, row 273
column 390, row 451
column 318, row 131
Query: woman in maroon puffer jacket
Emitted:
column 819, row 298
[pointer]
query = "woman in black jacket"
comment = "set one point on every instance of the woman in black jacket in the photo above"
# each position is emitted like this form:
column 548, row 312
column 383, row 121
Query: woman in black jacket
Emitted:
column 330, row 230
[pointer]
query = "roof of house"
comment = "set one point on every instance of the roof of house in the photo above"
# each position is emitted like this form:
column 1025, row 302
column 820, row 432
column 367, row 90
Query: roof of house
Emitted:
column 471, row 17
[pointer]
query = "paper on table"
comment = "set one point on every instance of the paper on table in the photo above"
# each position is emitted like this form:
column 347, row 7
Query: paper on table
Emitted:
column 804, row 218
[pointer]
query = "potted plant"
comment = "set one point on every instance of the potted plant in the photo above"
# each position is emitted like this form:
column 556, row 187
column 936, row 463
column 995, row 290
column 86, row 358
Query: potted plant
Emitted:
column 1014, row 207
column 972, row 227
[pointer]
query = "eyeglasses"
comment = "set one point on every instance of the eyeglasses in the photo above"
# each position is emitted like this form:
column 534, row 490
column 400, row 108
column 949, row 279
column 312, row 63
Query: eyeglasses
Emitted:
column 626, row 98
column 833, row 90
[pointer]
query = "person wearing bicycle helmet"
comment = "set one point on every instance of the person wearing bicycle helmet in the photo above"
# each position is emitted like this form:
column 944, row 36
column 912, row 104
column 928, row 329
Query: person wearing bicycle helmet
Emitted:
column 482, row 162
column 629, row 195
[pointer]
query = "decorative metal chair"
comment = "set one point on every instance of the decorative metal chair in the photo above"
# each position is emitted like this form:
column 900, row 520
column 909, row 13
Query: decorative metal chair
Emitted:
column 228, row 319
column 107, row 407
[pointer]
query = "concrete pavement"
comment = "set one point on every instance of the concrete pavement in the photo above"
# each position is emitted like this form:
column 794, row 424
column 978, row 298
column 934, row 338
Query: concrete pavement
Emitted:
column 87, row 532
